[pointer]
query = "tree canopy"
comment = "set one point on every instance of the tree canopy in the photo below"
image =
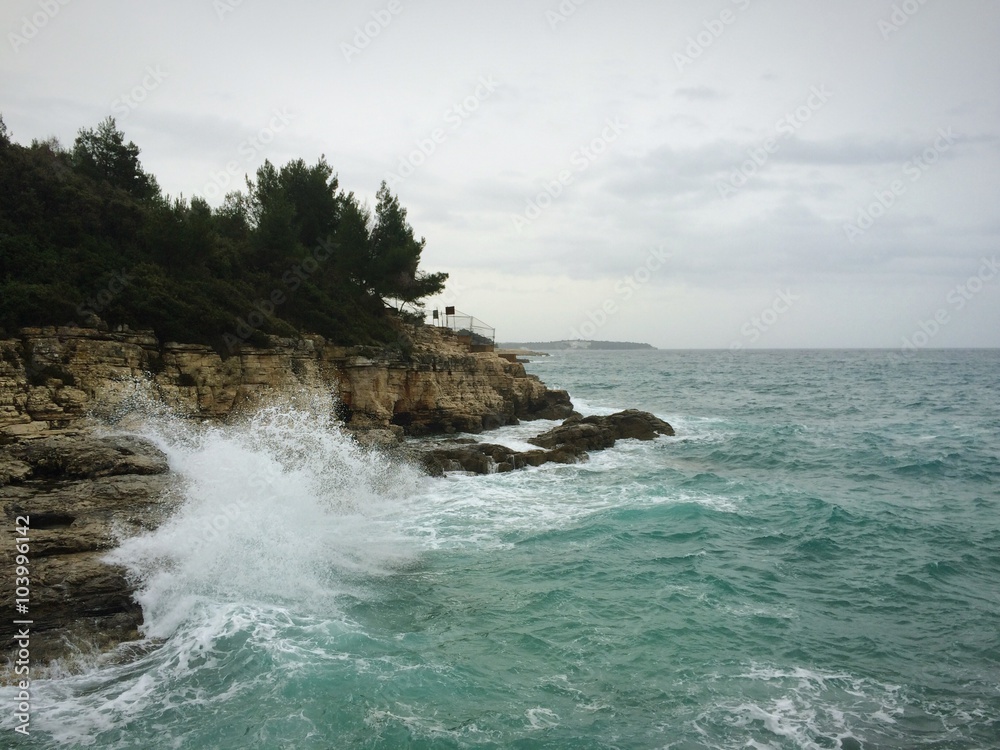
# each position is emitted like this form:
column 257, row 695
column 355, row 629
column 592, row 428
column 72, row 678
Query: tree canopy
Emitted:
column 103, row 154
column 395, row 255
column 87, row 232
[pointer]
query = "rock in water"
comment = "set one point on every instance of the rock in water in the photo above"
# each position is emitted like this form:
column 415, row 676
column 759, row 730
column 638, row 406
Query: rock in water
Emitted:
column 597, row 433
column 568, row 443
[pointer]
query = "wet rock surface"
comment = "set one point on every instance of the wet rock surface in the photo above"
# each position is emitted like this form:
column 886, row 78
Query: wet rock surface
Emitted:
column 599, row 432
column 81, row 493
column 568, row 443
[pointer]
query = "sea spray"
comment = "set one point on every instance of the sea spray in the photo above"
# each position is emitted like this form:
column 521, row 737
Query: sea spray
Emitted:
column 281, row 507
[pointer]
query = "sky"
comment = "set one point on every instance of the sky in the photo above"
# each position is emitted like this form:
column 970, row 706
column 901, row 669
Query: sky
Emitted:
column 717, row 174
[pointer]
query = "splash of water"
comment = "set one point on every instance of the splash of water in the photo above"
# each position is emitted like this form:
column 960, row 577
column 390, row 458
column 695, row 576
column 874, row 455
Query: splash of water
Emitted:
column 280, row 508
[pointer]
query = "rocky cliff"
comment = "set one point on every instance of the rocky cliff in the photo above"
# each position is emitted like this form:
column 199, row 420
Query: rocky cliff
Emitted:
column 83, row 491
column 50, row 377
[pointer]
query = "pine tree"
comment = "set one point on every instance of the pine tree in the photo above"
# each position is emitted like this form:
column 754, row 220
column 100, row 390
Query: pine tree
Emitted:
column 103, row 154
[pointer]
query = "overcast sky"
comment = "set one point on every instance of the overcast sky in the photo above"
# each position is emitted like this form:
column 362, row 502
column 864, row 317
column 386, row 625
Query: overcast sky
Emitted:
column 733, row 173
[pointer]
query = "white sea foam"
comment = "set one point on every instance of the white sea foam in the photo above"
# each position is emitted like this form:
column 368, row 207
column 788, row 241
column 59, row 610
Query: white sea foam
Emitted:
column 587, row 408
column 280, row 508
column 516, row 436
column 541, row 718
column 806, row 709
column 485, row 511
column 187, row 673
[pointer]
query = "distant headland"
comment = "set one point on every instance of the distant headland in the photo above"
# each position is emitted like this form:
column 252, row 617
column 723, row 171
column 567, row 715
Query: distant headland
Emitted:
column 575, row 344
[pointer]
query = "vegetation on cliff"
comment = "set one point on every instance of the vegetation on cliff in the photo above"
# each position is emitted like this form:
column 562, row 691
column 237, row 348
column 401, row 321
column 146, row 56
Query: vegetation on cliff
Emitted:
column 87, row 233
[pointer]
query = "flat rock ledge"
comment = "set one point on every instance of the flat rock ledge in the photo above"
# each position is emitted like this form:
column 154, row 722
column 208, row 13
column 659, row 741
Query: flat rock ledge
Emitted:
column 82, row 493
column 568, row 443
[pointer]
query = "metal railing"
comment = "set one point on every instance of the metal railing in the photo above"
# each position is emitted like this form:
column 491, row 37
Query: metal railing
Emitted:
column 471, row 330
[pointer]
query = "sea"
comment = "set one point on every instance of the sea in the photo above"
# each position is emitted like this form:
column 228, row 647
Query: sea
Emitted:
column 813, row 561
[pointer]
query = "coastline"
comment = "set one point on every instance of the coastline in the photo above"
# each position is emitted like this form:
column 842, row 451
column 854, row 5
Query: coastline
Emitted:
column 84, row 487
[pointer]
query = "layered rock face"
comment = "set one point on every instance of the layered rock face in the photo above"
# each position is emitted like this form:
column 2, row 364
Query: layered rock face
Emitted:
column 49, row 377
column 77, row 494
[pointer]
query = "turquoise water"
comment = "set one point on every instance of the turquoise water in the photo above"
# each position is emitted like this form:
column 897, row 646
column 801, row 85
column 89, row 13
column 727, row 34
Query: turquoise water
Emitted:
column 813, row 562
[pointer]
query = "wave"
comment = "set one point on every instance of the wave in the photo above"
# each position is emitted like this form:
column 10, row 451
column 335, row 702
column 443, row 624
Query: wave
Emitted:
column 281, row 507
column 805, row 708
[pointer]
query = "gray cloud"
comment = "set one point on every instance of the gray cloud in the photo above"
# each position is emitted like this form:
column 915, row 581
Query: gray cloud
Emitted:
column 559, row 83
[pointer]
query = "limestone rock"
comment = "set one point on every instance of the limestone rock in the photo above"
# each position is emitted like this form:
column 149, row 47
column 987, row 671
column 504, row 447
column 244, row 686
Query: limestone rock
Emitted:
column 83, row 457
column 81, row 494
column 51, row 377
column 13, row 470
column 477, row 458
column 552, row 404
column 382, row 439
